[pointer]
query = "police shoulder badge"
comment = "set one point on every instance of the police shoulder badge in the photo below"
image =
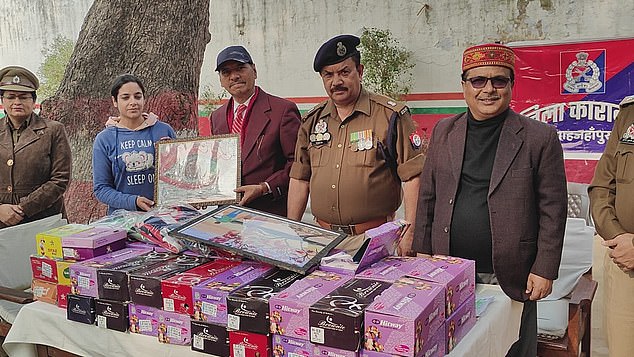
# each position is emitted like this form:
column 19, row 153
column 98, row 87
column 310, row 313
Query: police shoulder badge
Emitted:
column 628, row 135
column 416, row 140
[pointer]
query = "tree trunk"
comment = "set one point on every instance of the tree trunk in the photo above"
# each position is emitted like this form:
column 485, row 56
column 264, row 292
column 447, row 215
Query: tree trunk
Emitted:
column 162, row 42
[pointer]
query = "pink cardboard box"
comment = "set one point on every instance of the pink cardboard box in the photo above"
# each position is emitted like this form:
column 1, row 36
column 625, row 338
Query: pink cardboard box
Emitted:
column 326, row 351
column 390, row 268
column 174, row 328
column 456, row 274
column 210, row 296
column 93, row 242
column 336, row 320
column 460, row 323
column 289, row 309
column 143, row 320
column 83, row 275
column 285, row 346
column 433, row 347
column 49, row 243
column 177, row 290
column 404, row 317
column 249, row 344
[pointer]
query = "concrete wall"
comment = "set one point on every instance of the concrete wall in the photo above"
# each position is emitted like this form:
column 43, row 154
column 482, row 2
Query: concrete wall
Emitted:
column 283, row 35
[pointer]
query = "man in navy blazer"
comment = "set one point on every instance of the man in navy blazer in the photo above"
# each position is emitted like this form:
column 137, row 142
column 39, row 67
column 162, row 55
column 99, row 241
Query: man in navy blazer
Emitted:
column 267, row 126
column 493, row 189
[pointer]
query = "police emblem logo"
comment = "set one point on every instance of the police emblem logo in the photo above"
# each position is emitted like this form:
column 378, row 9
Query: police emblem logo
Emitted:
column 341, row 49
column 16, row 79
column 416, row 140
column 628, row 135
column 583, row 75
column 321, row 126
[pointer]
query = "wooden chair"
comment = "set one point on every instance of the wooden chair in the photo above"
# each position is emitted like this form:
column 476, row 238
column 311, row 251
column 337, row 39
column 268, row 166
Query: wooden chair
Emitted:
column 576, row 339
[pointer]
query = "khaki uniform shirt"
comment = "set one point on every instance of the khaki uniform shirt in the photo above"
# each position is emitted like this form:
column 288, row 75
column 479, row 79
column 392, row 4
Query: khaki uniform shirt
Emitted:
column 612, row 188
column 348, row 185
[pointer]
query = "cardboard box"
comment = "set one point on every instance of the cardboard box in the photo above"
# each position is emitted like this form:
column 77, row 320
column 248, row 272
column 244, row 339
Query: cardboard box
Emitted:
column 336, row 320
column 62, row 295
column 289, row 309
column 380, row 243
column 210, row 296
column 460, row 323
column 81, row 309
column 404, row 316
column 177, row 290
column 210, row 338
column 112, row 281
column 433, row 347
column 391, row 269
column 249, row 344
column 80, row 254
column 248, row 307
column 284, row 346
column 44, row 291
column 112, row 315
column 83, row 275
column 143, row 320
column 49, row 243
column 145, row 284
column 325, row 351
column 456, row 274
column 174, row 328
column 51, row 270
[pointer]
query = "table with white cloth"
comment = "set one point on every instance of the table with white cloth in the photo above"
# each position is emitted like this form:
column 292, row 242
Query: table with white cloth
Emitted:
column 44, row 324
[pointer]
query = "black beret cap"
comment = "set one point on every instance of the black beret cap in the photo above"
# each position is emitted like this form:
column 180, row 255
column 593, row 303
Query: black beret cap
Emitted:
column 335, row 50
column 233, row 53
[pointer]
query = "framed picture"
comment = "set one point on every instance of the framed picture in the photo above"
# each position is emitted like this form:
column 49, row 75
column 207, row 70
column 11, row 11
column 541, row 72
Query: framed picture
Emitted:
column 199, row 171
column 261, row 236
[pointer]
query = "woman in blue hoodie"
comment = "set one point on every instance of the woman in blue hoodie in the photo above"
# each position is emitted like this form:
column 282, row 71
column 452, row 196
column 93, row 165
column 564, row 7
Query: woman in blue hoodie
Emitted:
column 123, row 153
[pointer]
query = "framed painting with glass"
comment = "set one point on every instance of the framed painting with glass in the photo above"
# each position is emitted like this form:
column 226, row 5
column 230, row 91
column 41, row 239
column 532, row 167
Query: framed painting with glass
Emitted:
column 261, row 236
column 199, row 171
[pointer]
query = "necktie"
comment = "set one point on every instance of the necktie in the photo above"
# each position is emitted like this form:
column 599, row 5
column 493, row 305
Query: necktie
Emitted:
column 239, row 119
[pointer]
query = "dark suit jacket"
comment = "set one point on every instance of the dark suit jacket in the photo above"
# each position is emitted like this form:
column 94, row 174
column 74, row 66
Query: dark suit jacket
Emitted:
column 527, row 198
column 268, row 149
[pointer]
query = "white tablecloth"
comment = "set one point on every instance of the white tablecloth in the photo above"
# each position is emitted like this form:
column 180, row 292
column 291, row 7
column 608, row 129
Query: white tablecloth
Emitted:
column 41, row 323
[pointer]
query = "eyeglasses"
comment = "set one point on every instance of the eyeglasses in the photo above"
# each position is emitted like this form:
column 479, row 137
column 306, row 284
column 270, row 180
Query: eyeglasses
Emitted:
column 498, row 82
column 21, row 98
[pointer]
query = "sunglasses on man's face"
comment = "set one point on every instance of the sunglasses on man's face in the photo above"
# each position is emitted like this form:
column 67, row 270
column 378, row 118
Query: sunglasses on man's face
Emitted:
column 497, row 82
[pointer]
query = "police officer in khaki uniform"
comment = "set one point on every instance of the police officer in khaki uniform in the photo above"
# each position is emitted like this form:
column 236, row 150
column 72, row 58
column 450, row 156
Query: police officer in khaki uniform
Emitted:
column 612, row 206
column 341, row 157
column 35, row 157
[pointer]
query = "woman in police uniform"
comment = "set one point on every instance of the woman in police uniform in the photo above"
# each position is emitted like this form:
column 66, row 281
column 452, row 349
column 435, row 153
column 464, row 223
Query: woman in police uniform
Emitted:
column 35, row 157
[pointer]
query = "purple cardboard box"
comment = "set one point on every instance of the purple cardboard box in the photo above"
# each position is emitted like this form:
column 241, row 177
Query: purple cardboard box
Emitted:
column 143, row 319
column 404, row 317
column 289, row 309
column 325, row 351
column 336, row 320
column 174, row 328
column 145, row 284
column 460, row 323
column 433, row 347
column 83, row 275
column 457, row 274
column 248, row 307
column 93, row 242
column 112, row 281
column 390, row 268
column 284, row 346
column 210, row 338
column 382, row 242
column 112, row 315
column 210, row 296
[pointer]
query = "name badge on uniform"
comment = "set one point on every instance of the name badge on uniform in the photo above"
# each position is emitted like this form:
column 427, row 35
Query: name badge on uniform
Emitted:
column 320, row 134
column 628, row 136
column 361, row 140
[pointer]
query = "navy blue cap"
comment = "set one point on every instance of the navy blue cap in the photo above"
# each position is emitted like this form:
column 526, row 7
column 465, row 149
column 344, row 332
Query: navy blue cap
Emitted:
column 335, row 50
column 233, row 53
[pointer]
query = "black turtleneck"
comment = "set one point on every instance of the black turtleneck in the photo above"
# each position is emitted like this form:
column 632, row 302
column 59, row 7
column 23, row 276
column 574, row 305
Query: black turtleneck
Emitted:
column 470, row 225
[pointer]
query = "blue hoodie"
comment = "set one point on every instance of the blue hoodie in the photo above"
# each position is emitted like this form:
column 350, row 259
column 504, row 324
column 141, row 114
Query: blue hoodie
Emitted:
column 123, row 161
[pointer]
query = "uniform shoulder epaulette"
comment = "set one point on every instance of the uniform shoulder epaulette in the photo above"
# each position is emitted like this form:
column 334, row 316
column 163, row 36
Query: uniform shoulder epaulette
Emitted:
column 314, row 110
column 627, row 101
column 390, row 103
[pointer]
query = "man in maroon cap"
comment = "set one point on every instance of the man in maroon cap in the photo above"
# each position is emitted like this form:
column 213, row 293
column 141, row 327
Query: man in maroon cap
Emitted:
column 493, row 189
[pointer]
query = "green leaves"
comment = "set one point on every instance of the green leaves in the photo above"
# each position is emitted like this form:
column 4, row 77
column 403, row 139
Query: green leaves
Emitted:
column 51, row 72
column 388, row 65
